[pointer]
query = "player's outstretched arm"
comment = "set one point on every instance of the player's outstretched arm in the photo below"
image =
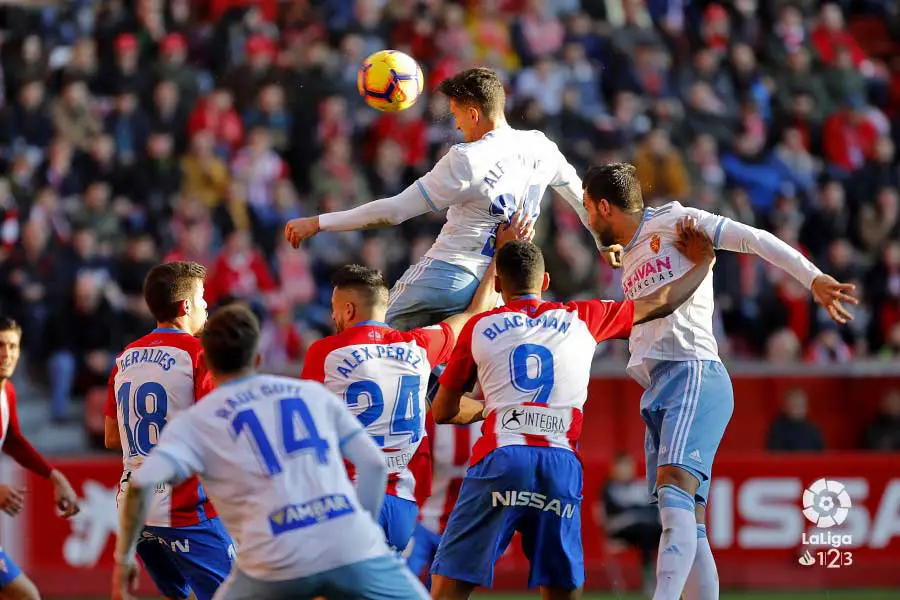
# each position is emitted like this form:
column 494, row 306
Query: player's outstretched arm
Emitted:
column 441, row 187
column 485, row 297
column 696, row 247
column 831, row 294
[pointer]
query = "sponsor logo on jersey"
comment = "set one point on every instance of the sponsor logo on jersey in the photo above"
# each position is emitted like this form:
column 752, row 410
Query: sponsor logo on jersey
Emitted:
column 655, row 243
column 651, row 272
column 397, row 461
column 313, row 512
column 566, row 510
column 534, row 420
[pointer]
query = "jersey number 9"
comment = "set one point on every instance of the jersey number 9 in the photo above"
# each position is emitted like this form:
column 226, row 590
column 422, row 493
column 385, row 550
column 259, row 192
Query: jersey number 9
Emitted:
column 541, row 361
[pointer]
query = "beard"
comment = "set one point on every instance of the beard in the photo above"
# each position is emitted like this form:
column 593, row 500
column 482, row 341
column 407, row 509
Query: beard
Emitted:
column 606, row 237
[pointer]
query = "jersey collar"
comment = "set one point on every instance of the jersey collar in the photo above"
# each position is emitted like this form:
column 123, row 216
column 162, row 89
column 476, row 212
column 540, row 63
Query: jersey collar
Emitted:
column 648, row 212
column 238, row 380
column 371, row 323
column 169, row 330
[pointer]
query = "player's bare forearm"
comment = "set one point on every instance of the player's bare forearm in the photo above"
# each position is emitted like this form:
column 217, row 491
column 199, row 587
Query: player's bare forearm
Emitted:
column 446, row 405
column 664, row 301
column 470, row 411
column 131, row 521
column 111, row 438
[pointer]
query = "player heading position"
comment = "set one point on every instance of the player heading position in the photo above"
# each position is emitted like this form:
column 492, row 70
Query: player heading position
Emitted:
column 270, row 451
column 497, row 172
column 13, row 582
column 688, row 398
column 154, row 379
column 533, row 361
column 382, row 374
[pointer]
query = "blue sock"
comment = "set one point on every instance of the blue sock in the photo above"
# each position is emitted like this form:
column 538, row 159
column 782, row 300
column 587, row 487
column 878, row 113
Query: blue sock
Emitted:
column 703, row 581
column 678, row 543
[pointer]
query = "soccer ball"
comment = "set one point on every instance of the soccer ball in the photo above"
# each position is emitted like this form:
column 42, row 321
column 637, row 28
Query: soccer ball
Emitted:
column 390, row 81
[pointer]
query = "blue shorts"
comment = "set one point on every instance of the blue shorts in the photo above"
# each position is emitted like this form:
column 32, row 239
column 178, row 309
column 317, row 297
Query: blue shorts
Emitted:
column 9, row 570
column 398, row 520
column 429, row 292
column 182, row 559
column 421, row 553
column 686, row 409
column 535, row 491
column 382, row 578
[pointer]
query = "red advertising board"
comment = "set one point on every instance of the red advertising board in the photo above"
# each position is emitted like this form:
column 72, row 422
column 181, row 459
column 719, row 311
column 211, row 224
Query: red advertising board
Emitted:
column 755, row 519
column 755, row 526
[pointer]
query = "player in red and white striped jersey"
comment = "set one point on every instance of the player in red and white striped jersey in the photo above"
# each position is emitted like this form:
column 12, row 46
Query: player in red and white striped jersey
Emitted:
column 451, row 449
column 13, row 582
column 382, row 374
column 533, row 360
column 184, row 546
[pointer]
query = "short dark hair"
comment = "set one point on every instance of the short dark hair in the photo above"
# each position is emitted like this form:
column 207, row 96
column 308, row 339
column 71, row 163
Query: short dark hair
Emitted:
column 230, row 339
column 479, row 86
column 520, row 265
column 168, row 284
column 10, row 324
column 368, row 283
column 617, row 183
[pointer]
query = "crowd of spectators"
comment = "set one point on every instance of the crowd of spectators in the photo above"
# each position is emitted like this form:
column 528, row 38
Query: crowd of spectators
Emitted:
column 133, row 131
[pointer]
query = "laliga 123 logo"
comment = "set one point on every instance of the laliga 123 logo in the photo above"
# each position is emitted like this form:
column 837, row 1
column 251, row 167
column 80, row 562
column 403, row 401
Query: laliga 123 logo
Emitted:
column 826, row 504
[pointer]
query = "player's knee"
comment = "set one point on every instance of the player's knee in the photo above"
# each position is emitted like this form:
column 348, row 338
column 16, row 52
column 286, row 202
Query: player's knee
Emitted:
column 678, row 477
column 20, row 588
column 551, row 593
column 445, row 588
column 700, row 513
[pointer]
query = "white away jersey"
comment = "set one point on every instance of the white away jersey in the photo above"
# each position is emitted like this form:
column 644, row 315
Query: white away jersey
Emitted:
column 267, row 449
column 382, row 375
column 650, row 260
column 484, row 182
column 533, row 361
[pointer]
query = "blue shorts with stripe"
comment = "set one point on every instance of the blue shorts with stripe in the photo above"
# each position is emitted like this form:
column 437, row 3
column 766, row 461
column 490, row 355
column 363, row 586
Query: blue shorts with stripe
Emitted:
column 181, row 559
column 686, row 409
column 421, row 551
column 9, row 570
column 429, row 292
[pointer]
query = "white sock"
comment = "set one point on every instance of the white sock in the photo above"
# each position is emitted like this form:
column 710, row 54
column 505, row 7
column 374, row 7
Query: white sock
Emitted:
column 678, row 543
column 703, row 581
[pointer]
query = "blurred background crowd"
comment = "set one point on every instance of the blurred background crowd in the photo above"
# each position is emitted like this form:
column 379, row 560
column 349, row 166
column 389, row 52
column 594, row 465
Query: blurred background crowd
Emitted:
column 133, row 131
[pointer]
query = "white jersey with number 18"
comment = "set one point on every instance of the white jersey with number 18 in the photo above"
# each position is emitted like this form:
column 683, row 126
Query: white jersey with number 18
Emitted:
column 267, row 450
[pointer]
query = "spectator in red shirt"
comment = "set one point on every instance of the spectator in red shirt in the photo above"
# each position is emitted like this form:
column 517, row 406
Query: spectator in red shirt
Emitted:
column 240, row 272
column 831, row 34
column 849, row 138
column 216, row 113
column 408, row 129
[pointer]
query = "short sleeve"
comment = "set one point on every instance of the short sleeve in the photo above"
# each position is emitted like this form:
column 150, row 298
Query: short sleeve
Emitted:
column 110, row 409
column 437, row 341
column 178, row 446
column 607, row 319
column 444, row 185
column 314, row 363
column 203, row 383
column 461, row 370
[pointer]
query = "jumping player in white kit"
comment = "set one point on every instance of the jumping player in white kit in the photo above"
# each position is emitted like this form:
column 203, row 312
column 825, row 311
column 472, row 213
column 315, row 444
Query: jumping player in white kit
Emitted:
column 497, row 172
column 688, row 398
column 270, row 451
column 533, row 361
